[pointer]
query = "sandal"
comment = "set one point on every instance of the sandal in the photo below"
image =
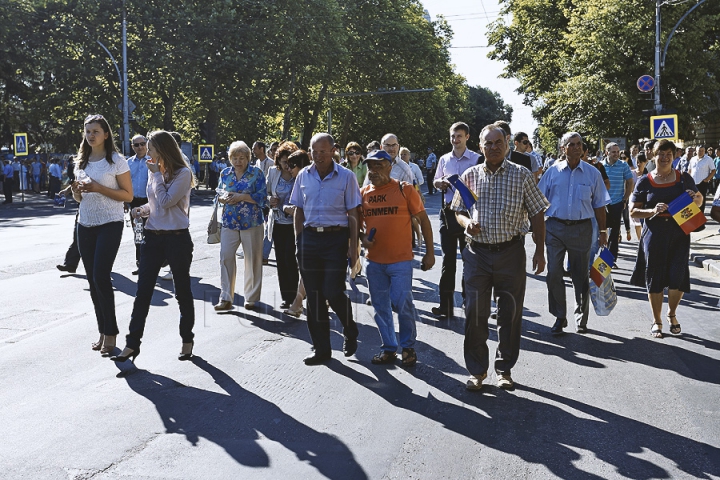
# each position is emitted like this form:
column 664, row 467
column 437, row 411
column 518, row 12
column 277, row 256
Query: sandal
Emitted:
column 674, row 327
column 409, row 357
column 98, row 345
column 656, row 330
column 384, row 357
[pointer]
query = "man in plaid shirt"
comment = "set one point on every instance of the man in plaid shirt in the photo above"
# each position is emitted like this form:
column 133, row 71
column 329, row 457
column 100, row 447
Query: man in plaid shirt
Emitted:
column 494, row 259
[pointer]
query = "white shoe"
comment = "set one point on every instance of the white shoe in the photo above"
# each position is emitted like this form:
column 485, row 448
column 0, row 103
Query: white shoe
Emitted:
column 167, row 276
column 475, row 382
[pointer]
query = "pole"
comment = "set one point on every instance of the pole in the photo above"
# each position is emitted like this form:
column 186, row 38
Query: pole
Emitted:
column 126, row 123
column 329, row 112
column 658, row 104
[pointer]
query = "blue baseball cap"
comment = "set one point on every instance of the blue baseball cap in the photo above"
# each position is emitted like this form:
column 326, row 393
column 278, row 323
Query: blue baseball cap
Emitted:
column 378, row 155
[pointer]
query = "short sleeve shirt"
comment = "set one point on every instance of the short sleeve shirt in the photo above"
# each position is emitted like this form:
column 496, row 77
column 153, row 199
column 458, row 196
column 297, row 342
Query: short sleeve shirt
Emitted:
column 573, row 193
column 326, row 201
column 95, row 208
column 617, row 173
column 505, row 200
column 389, row 210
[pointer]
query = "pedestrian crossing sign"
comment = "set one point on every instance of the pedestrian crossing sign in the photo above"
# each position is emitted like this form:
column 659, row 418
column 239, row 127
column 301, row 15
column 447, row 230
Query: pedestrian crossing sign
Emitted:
column 664, row 127
column 21, row 145
column 206, row 153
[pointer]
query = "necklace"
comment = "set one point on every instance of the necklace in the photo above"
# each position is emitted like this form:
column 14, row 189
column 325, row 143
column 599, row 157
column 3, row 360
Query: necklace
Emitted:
column 663, row 177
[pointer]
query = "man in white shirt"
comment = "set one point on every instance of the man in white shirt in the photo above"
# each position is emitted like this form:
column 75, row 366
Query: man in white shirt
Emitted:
column 400, row 170
column 702, row 169
column 430, row 166
column 264, row 163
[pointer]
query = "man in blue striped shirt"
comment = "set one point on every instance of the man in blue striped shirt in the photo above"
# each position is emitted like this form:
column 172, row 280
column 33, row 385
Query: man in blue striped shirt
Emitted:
column 621, row 186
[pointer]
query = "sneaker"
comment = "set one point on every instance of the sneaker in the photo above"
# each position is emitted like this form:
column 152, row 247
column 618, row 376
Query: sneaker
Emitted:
column 167, row 276
column 475, row 382
column 505, row 381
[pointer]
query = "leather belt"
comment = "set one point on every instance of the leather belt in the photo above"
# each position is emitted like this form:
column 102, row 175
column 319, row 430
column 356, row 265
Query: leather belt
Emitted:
column 167, row 232
column 335, row 228
column 570, row 222
column 496, row 247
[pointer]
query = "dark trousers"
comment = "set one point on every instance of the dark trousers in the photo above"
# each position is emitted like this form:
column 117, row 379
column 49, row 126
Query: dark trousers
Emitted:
column 287, row 267
column 703, row 188
column 430, row 180
column 72, row 256
column 138, row 202
column 98, row 247
column 576, row 240
column 503, row 272
column 449, row 245
column 612, row 222
column 178, row 251
column 322, row 258
column 54, row 188
column 8, row 189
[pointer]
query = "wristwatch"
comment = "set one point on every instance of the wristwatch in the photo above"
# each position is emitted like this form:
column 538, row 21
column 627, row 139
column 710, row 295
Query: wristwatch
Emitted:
column 603, row 231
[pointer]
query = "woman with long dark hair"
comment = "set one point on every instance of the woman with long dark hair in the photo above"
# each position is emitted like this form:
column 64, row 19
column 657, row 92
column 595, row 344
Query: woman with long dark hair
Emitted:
column 167, row 238
column 103, row 183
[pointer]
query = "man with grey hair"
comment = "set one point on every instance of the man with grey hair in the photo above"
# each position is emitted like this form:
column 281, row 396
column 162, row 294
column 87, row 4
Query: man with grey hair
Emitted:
column 576, row 193
column 326, row 197
column 494, row 259
column 621, row 186
column 400, row 170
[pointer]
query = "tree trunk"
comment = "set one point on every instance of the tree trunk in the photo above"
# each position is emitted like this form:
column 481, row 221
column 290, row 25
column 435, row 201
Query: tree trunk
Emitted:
column 311, row 120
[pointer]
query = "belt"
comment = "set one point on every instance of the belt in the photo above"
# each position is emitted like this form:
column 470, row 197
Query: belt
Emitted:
column 570, row 222
column 496, row 247
column 335, row 228
column 167, row 232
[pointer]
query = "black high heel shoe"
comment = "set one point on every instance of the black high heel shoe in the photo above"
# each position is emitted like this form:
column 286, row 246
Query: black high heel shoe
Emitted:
column 121, row 358
column 186, row 351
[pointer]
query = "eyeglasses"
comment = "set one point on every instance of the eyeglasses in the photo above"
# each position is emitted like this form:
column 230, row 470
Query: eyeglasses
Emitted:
column 136, row 145
column 353, row 152
column 525, row 142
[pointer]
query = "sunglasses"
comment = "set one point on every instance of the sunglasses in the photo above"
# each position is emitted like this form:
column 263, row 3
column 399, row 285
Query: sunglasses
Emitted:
column 139, row 144
column 353, row 152
column 525, row 142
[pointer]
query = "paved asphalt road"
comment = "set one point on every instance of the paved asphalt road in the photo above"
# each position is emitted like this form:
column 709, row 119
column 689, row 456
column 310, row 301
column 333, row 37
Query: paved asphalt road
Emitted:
column 609, row 404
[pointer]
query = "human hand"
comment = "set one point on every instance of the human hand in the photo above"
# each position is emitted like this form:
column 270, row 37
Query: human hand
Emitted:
column 136, row 212
column 427, row 261
column 539, row 261
column 274, row 202
column 473, row 228
column 603, row 240
column 152, row 166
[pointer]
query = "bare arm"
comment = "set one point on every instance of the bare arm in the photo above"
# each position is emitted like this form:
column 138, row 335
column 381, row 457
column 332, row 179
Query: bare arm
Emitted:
column 428, row 259
column 538, row 226
column 600, row 218
column 298, row 221
column 354, row 226
column 629, row 185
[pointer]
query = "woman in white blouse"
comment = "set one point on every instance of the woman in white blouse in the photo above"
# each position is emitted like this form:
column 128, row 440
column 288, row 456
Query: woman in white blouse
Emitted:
column 167, row 238
column 103, row 183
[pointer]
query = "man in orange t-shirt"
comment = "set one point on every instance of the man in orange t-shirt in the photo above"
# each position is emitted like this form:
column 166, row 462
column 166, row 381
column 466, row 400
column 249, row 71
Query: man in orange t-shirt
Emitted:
column 388, row 206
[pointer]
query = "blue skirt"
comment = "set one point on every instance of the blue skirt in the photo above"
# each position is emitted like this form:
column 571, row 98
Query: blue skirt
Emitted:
column 662, row 260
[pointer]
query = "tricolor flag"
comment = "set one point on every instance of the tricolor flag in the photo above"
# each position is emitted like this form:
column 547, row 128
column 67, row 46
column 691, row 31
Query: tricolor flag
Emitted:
column 686, row 213
column 468, row 197
column 602, row 266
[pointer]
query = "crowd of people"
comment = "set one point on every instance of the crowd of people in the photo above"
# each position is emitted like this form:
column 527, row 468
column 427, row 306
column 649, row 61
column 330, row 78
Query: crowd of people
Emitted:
column 323, row 213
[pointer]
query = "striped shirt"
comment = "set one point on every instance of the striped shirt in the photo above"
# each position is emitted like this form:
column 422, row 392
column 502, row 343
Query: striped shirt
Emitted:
column 505, row 201
column 617, row 173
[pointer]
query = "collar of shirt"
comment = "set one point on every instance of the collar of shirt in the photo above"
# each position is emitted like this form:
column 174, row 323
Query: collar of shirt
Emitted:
column 582, row 165
column 499, row 171
column 313, row 170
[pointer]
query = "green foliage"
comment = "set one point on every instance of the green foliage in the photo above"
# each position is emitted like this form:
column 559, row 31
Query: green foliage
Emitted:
column 578, row 61
column 251, row 69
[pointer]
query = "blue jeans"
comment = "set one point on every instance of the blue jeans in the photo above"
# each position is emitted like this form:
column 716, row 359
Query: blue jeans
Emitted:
column 177, row 251
column 98, row 248
column 391, row 289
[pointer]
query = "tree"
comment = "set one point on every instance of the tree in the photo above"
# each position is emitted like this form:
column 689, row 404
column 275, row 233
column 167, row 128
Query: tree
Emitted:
column 577, row 62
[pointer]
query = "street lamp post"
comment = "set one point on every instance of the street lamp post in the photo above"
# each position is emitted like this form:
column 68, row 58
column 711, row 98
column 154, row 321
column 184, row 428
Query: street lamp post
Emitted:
column 660, row 60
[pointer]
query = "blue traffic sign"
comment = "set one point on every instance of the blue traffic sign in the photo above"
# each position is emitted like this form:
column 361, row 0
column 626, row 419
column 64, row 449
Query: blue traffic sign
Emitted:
column 664, row 126
column 206, row 153
column 645, row 83
column 21, row 145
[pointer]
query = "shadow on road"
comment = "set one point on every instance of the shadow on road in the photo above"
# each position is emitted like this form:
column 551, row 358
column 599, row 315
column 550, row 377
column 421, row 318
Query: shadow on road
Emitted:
column 237, row 419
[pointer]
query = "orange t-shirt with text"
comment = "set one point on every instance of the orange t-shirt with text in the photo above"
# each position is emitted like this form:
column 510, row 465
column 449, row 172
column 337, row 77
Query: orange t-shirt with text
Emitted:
column 389, row 211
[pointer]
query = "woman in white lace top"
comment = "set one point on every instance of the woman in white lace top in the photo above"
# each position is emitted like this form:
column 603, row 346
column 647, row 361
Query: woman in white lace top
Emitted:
column 103, row 183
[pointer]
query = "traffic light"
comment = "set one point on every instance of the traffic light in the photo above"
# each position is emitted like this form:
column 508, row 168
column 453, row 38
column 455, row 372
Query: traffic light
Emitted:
column 204, row 132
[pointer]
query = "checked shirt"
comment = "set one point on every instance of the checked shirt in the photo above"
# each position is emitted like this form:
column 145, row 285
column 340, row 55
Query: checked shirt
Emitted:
column 505, row 201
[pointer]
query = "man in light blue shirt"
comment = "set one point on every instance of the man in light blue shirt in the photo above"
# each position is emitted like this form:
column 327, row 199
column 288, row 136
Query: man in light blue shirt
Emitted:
column 139, row 175
column 621, row 186
column 326, row 196
column 576, row 193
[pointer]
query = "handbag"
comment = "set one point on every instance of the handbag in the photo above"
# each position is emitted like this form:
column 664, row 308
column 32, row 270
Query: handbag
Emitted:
column 215, row 226
column 603, row 297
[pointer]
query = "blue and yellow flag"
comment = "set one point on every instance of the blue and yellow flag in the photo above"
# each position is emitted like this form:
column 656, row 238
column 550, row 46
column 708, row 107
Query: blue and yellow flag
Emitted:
column 686, row 213
column 468, row 197
column 602, row 266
